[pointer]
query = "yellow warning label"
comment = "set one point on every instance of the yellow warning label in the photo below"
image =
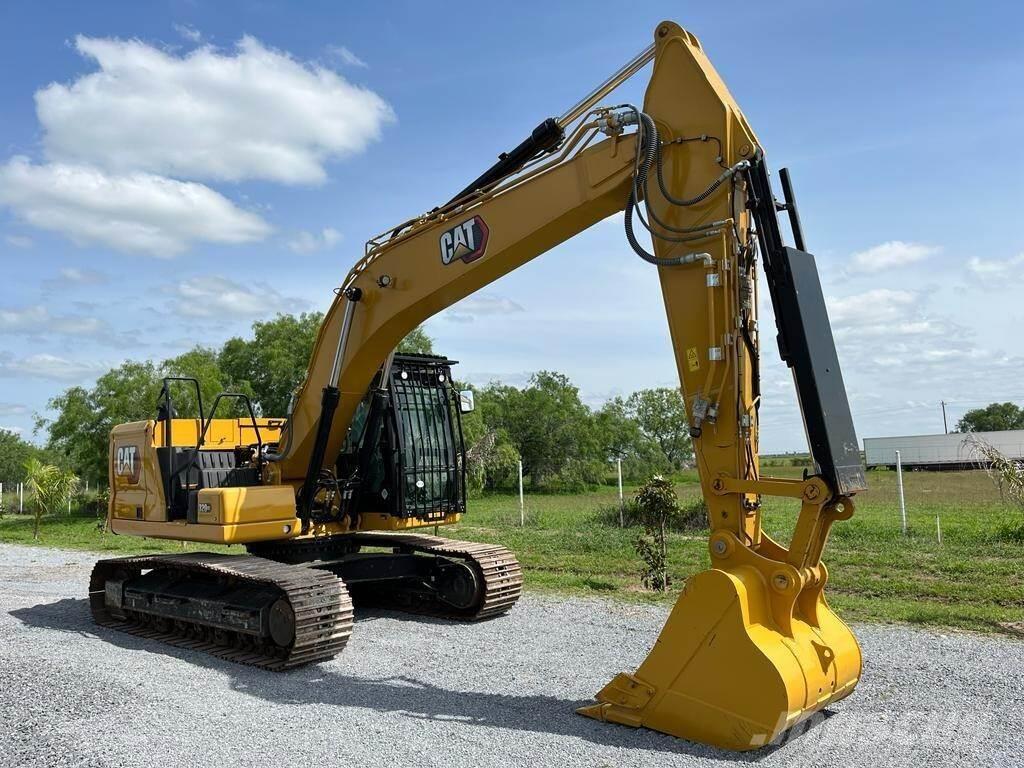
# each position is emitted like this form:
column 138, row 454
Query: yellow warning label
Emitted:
column 692, row 359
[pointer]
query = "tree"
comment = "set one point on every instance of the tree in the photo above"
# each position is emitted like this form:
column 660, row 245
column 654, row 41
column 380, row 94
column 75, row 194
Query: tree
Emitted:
column 416, row 342
column 14, row 452
column 661, row 415
column 549, row 426
column 49, row 488
column 203, row 364
column 273, row 363
column 81, row 430
column 995, row 417
column 620, row 437
column 492, row 462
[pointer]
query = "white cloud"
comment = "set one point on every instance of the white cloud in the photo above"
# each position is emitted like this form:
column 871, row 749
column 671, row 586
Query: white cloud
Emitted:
column 481, row 305
column 894, row 253
column 347, row 56
column 188, row 32
column 997, row 271
column 213, row 296
column 33, row 320
column 135, row 212
column 19, row 241
column 81, row 276
column 484, row 378
column 308, row 242
column 45, row 366
column 38, row 322
column 15, row 430
column 13, row 409
column 256, row 113
column 871, row 307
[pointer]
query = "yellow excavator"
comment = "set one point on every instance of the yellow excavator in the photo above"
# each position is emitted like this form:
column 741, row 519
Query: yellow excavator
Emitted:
column 332, row 501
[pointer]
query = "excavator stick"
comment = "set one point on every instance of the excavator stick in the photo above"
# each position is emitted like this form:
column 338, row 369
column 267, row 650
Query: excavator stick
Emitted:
column 751, row 647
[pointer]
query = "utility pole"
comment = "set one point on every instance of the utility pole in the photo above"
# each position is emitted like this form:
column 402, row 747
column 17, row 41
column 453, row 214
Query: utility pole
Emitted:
column 945, row 425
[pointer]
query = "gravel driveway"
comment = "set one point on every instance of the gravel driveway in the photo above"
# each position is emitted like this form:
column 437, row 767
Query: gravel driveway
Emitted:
column 420, row 692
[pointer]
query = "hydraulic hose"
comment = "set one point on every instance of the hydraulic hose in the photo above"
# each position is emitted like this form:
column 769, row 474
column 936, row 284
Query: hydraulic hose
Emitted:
column 725, row 175
column 647, row 153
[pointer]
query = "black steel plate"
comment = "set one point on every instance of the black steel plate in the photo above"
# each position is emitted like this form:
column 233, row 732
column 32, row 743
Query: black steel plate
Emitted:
column 807, row 346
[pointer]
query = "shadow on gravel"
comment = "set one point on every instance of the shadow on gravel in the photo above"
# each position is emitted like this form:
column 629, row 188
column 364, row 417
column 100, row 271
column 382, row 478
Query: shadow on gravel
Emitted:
column 404, row 696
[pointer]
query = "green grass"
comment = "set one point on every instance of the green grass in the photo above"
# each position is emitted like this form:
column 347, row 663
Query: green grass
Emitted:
column 973, row 580
column 86, row 532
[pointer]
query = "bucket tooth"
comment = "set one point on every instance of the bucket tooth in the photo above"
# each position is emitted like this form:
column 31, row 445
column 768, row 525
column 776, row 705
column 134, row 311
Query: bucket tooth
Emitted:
column 723, row 673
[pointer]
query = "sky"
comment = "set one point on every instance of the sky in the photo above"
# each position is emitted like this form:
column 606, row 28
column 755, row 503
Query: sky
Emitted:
column 171, row 172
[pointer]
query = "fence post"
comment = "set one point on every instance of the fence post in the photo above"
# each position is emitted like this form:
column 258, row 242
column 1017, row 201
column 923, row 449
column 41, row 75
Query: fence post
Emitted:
column 938, row 530
column 21, row 498
column 522, row 506
column 622, row 504
column 899, row 486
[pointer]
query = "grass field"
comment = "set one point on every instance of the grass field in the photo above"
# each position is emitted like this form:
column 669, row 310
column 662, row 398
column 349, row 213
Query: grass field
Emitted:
column 973, row 580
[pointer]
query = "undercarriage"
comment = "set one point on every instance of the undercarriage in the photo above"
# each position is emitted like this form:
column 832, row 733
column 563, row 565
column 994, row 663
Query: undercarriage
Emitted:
column 290, row 603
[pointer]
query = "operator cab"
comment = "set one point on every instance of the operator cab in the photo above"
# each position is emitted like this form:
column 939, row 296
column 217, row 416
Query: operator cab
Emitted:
column 403, row 456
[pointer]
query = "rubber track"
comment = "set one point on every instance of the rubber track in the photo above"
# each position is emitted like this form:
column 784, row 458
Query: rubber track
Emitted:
column 322, row 606
column 502, row 575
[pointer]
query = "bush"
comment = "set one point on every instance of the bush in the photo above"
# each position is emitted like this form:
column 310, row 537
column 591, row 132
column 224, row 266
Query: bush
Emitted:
column 657, row 503
column 691, row 517
column 646, row 460
column 94, row 502
column 608, row 514
column 492, row 463
column 501, row 467
column 1010, row 533
column 655, row 573
column 575, row 477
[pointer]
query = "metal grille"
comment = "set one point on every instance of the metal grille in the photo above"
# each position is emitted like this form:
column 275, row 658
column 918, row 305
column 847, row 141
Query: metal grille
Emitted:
column 431, row 479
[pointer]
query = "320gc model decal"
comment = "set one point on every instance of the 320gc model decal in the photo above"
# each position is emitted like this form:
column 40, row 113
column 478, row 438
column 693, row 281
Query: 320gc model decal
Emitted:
column 466, row 241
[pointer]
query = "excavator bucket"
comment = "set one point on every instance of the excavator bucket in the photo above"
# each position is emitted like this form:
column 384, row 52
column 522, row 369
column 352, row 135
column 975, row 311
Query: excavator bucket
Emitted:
column 723, row 672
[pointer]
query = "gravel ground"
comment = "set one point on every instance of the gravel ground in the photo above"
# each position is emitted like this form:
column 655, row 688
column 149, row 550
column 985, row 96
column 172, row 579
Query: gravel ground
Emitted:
column 419, row 692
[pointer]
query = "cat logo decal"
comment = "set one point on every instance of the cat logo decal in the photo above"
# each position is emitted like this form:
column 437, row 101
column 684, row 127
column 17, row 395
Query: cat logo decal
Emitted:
column 128, row 463
column 466, row 241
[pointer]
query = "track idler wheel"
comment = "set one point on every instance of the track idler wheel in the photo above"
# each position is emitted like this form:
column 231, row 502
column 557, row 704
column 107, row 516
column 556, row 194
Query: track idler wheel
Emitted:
column 282, row 623
column 458, row 585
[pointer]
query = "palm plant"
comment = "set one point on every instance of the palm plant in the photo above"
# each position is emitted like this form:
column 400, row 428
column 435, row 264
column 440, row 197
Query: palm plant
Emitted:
column 1007, row 474
column 49, row 489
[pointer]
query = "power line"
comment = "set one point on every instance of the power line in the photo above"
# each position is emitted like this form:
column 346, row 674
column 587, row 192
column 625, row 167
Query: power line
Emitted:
column 884, row 410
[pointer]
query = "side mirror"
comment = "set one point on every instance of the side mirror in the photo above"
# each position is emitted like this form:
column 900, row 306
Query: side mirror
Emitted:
column 466, row 404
